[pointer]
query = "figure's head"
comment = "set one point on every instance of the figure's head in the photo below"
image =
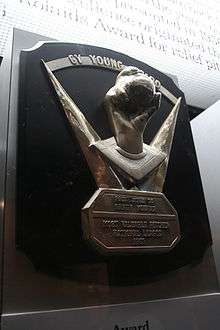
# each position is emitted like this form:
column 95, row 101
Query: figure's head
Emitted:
column 135, row 93
column 130, row 103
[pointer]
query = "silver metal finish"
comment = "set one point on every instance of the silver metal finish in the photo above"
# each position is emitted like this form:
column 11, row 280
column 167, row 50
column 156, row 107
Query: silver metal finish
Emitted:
column 128, row 221
column 99, row 61
column 191, row 312
column 86, row 136
column 129, row 104
column 135, row 167
column 125, row 162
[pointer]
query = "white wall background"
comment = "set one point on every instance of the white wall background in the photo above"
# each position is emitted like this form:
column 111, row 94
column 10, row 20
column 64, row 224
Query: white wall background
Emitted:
column 181, row 37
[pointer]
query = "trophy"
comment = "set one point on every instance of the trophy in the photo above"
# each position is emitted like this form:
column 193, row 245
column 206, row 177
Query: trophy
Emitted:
column 128, row 213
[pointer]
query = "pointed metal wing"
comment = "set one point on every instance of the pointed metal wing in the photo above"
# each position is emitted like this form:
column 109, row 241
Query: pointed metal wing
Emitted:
column 163, row 141
column 86, row 136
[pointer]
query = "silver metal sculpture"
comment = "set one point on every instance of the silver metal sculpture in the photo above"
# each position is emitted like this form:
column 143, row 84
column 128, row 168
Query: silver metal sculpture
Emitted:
column 130, row 103
column 124, row 161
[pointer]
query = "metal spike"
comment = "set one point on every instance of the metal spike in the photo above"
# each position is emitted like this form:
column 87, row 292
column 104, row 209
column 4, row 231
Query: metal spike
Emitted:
column 163, row 141
column 74, row 115
column 86, row 136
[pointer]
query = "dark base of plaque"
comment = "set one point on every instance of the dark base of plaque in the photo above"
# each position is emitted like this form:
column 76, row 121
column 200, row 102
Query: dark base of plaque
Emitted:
column 62, row 279
column 128, row 221
column 54, row 181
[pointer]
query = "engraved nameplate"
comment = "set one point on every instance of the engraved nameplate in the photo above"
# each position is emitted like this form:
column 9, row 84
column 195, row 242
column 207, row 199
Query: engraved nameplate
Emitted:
column 130, row 221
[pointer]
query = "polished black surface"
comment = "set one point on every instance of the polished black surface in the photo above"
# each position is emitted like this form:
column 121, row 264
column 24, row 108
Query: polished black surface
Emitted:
column 48, row 267
column 36, row 299
column 54, row 181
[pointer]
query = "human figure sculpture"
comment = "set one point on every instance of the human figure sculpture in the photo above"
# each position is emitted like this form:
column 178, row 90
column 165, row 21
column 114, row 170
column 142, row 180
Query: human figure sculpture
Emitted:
column 130, row 103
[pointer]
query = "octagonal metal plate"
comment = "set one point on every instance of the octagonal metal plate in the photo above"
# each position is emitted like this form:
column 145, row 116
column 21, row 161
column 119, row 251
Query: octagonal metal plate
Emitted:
column 125, row 221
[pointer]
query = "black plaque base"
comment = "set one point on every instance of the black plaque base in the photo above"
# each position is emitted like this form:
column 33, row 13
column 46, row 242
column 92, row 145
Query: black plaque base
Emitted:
column 54, row 181
column 49, row 272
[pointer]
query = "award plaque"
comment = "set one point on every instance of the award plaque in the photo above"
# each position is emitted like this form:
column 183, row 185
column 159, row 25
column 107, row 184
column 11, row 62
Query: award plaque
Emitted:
column 106, row 162
column 128, row 213
column 104, row 223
